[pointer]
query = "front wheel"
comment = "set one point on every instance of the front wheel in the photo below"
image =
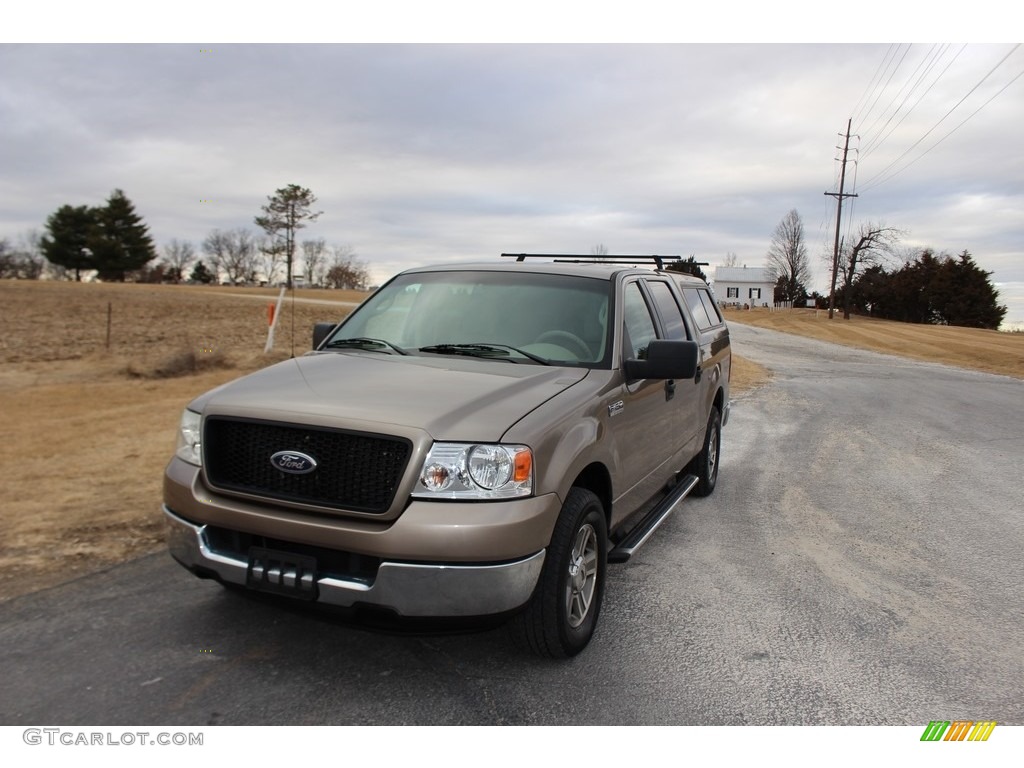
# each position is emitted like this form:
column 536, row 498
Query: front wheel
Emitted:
column 561, row 616
column 705, row 464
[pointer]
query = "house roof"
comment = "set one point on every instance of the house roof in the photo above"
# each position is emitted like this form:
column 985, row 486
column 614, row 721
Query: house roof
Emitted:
column 743, row 275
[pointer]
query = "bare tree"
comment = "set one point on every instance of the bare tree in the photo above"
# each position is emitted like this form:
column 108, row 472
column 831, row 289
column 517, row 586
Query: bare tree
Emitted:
column 215, row 246
column 26, row 260
column 314, row 261
column 787, row 256
column 233, row 253
column 347, row 271
column 56, row 271
column 272, row 253
column 8, row 261
column 729, row 260
column 32, row 250
column 874, row 243
column 178, row 255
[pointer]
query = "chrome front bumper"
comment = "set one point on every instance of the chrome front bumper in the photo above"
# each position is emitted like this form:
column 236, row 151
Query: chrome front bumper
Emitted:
column 410, row 589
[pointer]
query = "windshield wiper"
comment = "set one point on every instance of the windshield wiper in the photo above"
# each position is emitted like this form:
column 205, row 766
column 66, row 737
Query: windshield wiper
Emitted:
column 362, row 342
column 490, row 350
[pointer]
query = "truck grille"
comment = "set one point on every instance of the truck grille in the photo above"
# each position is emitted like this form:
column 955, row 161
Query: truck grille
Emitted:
column 355, row 470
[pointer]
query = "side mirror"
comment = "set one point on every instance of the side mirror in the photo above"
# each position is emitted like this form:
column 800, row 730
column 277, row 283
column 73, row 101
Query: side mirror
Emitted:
column 665, row 360
column 321, row 331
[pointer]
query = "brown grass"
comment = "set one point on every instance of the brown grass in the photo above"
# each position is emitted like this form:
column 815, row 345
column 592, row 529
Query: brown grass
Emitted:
column 746, row 375
column 973, row 348
column 87, row 429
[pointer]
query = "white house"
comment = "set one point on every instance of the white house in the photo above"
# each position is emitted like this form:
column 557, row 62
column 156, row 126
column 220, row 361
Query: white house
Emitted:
column 754, row 286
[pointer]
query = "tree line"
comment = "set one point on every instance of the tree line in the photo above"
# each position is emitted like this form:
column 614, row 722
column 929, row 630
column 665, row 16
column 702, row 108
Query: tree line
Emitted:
column 113, row 242
column 923, row 288
column 940, row 290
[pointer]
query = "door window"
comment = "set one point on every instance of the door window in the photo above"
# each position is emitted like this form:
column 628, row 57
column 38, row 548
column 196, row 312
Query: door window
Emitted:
column 639, row 323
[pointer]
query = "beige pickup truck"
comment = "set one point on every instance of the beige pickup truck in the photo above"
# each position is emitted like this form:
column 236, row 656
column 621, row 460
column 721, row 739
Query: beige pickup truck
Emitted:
column 474, row 440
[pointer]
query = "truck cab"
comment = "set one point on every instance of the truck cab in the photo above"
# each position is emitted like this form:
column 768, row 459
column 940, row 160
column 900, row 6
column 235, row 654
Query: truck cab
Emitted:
column 474, row 440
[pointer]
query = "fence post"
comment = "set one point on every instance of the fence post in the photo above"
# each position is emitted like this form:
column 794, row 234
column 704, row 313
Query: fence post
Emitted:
column 275, row 313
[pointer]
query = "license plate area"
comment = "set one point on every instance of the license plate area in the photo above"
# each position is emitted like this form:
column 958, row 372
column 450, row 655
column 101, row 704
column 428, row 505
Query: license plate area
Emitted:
column 282, row 573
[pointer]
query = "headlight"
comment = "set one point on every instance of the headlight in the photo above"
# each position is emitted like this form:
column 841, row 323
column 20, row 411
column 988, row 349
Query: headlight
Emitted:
column 475, row 471
column 188, row 438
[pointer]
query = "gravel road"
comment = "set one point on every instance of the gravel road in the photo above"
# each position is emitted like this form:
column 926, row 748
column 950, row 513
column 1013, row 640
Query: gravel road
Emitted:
column 860, row 563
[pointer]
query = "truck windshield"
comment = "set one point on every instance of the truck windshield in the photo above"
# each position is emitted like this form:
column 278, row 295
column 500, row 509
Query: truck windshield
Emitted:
column 522, row 317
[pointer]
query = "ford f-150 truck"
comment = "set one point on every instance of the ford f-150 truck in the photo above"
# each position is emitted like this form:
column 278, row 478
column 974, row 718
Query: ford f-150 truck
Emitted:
column 474, row 440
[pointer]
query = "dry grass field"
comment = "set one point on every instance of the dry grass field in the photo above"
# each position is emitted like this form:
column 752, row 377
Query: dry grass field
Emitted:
column 989, row 351
column 87, row 429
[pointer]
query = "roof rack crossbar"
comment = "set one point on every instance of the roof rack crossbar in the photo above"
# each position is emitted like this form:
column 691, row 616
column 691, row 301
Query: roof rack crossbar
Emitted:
column 573, row 258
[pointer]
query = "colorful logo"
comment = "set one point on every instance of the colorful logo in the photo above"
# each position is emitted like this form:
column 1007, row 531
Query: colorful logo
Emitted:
column 958, row 730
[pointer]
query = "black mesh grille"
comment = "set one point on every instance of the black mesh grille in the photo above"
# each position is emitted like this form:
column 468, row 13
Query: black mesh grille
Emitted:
column 355, row 470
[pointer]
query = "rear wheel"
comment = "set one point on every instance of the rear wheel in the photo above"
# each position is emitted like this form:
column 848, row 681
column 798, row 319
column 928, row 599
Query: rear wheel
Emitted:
column 705, row 464
column 561, row 616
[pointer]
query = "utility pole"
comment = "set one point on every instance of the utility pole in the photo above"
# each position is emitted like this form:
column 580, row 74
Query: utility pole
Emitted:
column 839, row 212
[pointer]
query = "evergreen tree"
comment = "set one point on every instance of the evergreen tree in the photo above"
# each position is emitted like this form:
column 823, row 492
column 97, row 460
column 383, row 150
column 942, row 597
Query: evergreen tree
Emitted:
column 931, row 289
column 66, row 242
column 285, row 213
column 688, row 266
column 916, row 289
column 871, row 293
column 120, row 241
column 201, row 274
column 785, row 291
column 967, row 296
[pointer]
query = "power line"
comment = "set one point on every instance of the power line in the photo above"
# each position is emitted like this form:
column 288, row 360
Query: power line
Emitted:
column 874, row 143
column 951, row 132
column 869, row 89
column 881, row 176
column 880, row 92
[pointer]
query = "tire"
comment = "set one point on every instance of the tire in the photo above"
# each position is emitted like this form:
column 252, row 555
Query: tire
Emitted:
column 705, row 464
column 562, row 614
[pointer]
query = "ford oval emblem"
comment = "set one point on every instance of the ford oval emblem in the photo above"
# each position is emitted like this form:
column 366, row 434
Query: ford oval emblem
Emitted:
column 293, row 462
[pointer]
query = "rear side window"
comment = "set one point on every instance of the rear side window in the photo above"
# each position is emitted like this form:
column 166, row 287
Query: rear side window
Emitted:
column 697, row 308
column 709, row 304
column 668, row 308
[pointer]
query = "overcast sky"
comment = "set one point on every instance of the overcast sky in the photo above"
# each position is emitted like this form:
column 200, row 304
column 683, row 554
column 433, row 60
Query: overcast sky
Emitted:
column 432, row 152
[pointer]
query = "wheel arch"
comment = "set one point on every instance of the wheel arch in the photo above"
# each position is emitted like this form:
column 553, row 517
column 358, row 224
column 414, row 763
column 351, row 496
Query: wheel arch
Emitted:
column 596, row 478
column 719, row 401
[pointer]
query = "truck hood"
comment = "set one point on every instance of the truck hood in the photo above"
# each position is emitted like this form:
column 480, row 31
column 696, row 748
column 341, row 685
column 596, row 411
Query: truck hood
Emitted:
column 451, row 398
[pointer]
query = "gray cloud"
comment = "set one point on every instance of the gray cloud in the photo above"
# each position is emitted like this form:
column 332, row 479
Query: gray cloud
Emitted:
column 427, row 152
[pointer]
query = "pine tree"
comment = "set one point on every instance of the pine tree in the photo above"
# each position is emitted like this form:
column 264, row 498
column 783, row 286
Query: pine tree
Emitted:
column 285, row 213
column 688, row 266
column 968, row 298
column 120, row 241
column 201, row 274
column 66, row 242
column 932, row 289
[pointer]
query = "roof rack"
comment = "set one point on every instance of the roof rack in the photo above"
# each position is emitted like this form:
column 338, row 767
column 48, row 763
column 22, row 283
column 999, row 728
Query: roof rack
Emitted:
column 573, row 258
